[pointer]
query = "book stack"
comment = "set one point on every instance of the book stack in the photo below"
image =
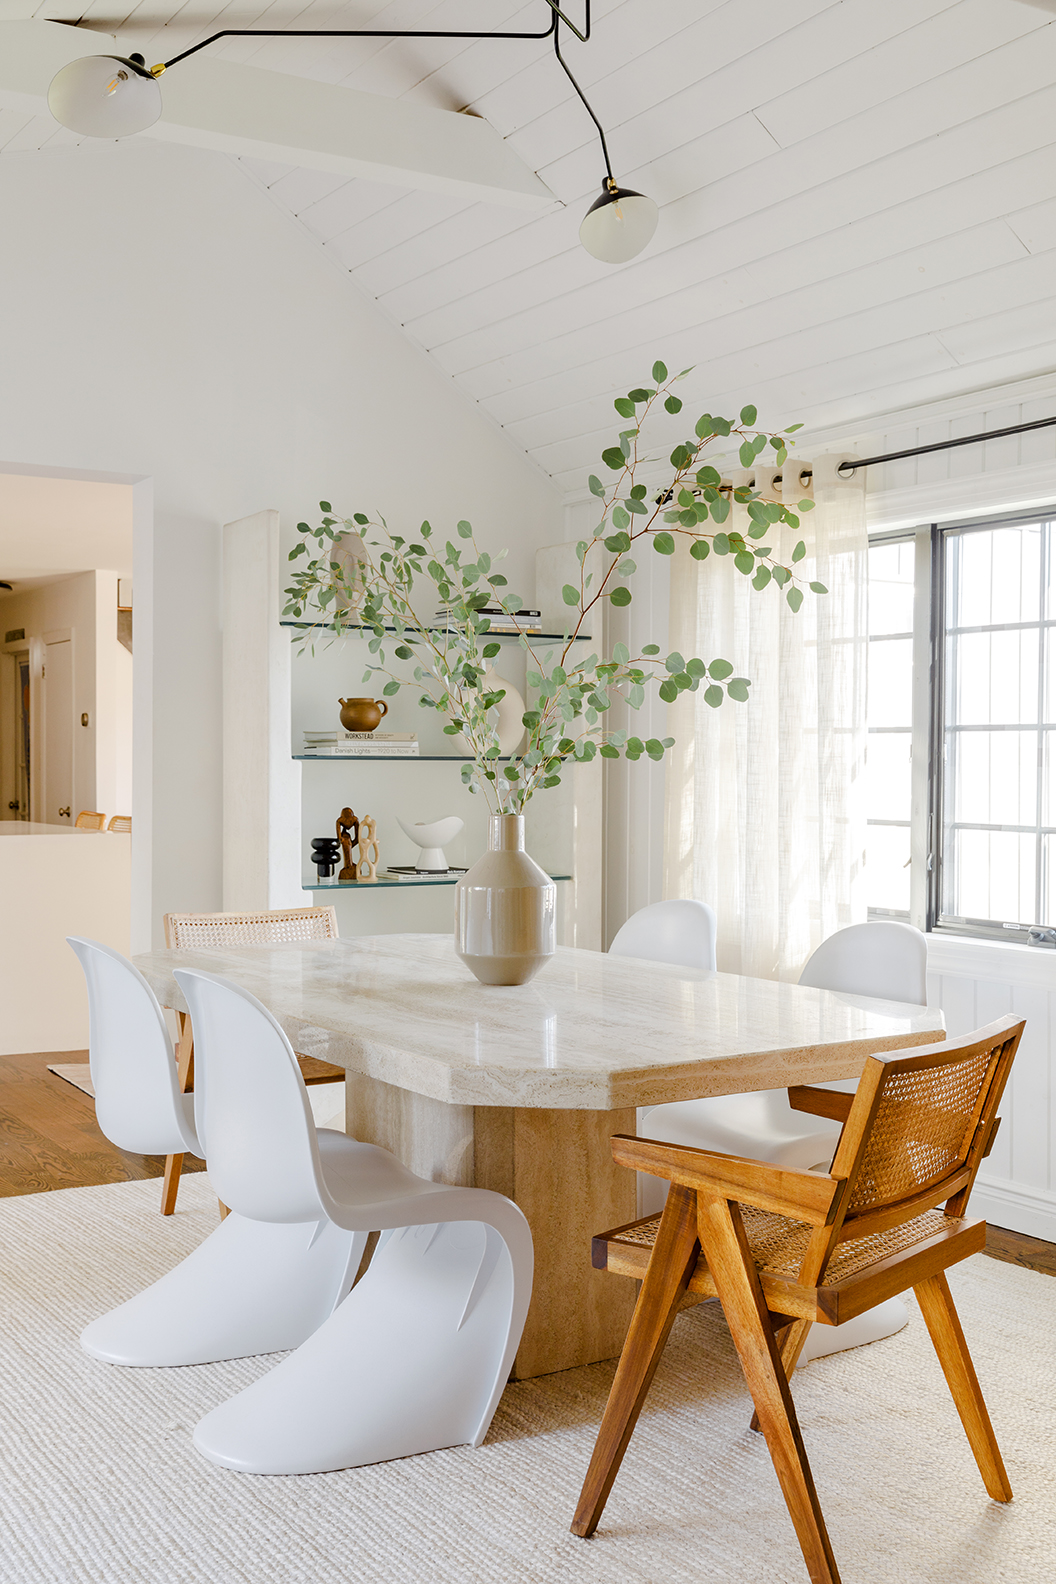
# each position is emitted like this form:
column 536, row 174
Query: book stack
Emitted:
column 339, row 744
column 527, row 621
column 408, row 872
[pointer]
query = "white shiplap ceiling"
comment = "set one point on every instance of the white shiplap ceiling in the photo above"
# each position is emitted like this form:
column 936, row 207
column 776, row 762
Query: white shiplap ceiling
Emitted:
column 858, row 201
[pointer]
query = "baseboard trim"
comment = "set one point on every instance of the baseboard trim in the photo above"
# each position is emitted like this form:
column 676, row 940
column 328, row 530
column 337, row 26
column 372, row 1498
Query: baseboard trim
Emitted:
column 1009, row 1204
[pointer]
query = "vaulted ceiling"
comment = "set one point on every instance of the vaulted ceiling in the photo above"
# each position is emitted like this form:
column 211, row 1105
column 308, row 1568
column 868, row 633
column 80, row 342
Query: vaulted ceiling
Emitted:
column 858, row 201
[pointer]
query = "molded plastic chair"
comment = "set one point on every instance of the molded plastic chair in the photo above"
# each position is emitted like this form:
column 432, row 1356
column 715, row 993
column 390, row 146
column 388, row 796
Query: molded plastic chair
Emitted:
column 247, row 1289
column 202, row 930
column 783, row 1248
column 884, row 959
column 416, row 1357
column 679, row 932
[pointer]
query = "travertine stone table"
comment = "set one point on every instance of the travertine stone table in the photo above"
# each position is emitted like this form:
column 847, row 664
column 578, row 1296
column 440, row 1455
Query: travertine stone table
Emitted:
column 519, row 1088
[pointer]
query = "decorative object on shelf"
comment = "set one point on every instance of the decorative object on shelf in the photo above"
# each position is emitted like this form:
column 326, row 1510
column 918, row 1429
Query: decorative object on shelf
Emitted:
column 522, row 621
column 362, row 714
column 348, row 835
column 505, row 909
column 432, row 837
column 570, row 718
column 369, row 851
column 350, row 553
column 112, row 96
column 326, row 855
column 507, row 716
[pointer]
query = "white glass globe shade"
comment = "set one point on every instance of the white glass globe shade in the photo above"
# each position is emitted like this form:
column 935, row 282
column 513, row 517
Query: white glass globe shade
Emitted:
column 104, row 96
column 619, row 225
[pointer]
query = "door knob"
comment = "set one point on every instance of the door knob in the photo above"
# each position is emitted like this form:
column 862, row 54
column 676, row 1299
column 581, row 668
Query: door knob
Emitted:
column 13, row 805
column 65, row 811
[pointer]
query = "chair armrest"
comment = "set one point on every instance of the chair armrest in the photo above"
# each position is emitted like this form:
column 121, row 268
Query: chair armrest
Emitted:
column 800, row 1195
column 821, row 1102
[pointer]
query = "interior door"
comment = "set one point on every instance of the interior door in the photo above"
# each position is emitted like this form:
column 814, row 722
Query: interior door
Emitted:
column 57, row 692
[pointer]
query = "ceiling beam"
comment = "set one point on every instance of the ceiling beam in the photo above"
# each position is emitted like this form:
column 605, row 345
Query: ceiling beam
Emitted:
column 211, row 103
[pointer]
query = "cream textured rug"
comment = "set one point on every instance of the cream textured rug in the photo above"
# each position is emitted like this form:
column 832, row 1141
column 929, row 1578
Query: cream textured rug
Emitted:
column 99, row 1482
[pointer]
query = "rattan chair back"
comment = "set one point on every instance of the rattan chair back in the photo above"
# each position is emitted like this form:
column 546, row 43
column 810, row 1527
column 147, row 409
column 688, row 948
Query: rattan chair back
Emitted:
column 122, row 823
column 89, row 819
column 250, row 929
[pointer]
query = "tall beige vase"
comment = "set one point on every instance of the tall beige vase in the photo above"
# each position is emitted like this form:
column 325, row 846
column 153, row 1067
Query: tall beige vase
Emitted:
column 505, row 909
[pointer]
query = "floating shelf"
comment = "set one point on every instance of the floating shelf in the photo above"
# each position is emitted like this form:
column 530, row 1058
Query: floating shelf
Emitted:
column 392, row 758
column 375, row 885
column 500, row 637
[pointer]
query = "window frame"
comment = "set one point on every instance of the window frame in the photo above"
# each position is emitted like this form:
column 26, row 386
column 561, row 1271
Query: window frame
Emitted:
column 927, row 826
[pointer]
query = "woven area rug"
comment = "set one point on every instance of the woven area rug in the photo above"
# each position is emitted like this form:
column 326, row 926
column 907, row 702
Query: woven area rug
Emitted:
column 99, row 1481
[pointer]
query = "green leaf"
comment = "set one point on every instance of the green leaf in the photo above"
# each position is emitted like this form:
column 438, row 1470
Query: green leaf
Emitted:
column 621, row 518
column 618, row 542
column 720, row 509
column 635, row 503
column 673, row 405
column 708, row 475
column 621, row 595
column 359, row 518
column 747, row 454
column 627, row 567
column 720, row 670
column 607, row 751
column 613, row 457
column 299, row 549
column 654, row 748
column 390, row 688
column 721, row 544
column 748, row 415
column 818, row 588
column 664, row 544
column 624, row 407
column 721, row 426
column 675, row 662
column 791, row 428
column 668, row 691
column 700, row 549
column 489, row 651
column 659, row 375
column 595, row 485
column 325, row 506
column 794, row 598
column 713, row 696
column 738, row 689
column 761, row 578
column 639, row 394
column 704, row 426
column 621, row 654
column 799, row 552
column 781, row 576
column 651, row 649
column 744, row 561
column 465, row 531
column 570, row 595
column 805, row 505
column 403, row 653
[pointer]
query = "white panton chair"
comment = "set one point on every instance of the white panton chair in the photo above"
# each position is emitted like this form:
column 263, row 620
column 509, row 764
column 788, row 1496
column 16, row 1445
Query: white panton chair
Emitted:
column 417, row 1355
column 248, row 1288
column 679, row 932
column 883, row 959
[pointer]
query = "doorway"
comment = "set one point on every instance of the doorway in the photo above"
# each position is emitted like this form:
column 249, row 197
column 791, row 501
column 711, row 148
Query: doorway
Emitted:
column 56, row 678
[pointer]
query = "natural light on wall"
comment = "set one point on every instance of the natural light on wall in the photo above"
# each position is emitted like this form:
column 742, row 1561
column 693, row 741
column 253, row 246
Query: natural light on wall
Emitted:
column 890, row 726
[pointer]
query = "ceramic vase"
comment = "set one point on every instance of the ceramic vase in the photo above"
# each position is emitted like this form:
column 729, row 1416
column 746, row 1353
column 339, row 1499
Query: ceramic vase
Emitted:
column 505, row 909
column 507, row 716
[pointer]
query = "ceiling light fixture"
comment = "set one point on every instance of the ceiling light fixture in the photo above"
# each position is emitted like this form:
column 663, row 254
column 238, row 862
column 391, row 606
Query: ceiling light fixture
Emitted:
column 113, row 96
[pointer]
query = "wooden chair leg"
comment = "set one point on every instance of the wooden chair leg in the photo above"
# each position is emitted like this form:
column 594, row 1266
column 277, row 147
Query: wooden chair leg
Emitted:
column 944, row 1326
column 185, row 1081
column 790, row 1343
column 672, row 1263
column 725, row 1246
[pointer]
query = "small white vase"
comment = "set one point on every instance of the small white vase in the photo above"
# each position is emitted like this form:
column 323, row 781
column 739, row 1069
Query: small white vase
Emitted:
column 505, row 909
column 432, row 837
column 506, row 716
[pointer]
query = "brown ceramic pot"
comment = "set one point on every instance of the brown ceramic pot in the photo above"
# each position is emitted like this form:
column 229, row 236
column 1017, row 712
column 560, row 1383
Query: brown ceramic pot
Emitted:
column 362, row 714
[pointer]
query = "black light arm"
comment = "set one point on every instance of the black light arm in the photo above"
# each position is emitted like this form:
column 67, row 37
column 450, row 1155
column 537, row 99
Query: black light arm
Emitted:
column 415, row 33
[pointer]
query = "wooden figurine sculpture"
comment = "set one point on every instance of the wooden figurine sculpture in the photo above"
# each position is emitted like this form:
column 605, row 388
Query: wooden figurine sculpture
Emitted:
column 348, row 835
column 362, row 833
column 367, row 867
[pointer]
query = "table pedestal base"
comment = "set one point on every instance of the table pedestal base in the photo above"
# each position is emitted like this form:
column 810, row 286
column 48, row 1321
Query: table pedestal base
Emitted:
column 558, row 1167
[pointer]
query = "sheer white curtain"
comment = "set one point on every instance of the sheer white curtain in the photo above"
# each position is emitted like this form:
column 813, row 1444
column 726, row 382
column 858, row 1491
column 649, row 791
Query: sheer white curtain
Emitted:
column 764, row 810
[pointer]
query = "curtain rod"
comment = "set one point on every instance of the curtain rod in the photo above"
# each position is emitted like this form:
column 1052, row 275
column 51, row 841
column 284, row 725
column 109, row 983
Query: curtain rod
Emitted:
column 846, row 468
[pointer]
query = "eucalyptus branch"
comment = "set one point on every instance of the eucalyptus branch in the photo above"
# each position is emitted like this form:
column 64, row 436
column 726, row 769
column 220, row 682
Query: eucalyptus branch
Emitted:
column 567, row 721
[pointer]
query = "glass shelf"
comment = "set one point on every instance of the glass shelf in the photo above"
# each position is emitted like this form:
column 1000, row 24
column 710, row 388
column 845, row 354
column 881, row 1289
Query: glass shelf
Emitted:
column 392, row 758
column 375, row 885
column 500, row 637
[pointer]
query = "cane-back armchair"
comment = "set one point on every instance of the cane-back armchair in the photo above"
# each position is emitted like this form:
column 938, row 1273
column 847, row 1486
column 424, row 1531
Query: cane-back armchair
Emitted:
column 782, row 1249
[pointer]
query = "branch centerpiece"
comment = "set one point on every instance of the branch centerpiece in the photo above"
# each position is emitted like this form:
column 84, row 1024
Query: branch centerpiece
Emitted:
column 362, row 577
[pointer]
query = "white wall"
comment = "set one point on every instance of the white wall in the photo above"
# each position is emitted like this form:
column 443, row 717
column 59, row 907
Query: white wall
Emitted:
column 173, row 325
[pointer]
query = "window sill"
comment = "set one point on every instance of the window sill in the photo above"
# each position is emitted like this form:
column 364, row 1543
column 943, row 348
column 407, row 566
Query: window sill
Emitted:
column 1011, row 961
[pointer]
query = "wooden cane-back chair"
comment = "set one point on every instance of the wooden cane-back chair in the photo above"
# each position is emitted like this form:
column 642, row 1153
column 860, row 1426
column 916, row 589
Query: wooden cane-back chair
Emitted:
column 121, row 823
column 782, row 1249
column 185, row 930
column 90, row 819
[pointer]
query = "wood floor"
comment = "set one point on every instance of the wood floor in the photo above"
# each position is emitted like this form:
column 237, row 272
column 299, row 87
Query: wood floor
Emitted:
column 49, row 1138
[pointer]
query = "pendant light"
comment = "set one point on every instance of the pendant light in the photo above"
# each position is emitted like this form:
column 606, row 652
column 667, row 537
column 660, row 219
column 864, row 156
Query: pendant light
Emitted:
column 106, row 96
column 113, row 96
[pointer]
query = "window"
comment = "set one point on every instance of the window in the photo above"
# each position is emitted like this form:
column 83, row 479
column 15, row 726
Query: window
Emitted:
column 961, row 766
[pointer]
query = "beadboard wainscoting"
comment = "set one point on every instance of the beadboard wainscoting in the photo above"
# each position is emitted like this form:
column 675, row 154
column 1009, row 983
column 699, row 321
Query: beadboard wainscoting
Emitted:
column 975, row 981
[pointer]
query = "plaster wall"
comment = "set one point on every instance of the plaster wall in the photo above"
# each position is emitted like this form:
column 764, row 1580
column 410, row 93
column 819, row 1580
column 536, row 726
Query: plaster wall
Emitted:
column 165, row 323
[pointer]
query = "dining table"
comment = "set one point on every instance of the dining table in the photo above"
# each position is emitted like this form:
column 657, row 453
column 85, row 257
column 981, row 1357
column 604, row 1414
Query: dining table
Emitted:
column 519, row 1088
